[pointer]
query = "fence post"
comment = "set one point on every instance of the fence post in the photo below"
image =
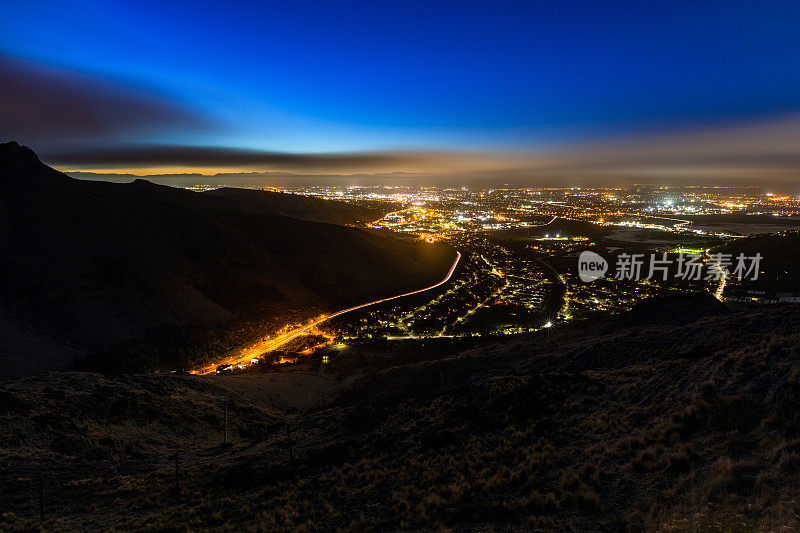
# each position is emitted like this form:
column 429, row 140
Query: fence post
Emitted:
column 291, row 444
column 177, row 473
column 41, row 496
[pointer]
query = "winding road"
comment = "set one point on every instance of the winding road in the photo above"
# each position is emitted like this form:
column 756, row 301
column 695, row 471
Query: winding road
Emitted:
column 248, row 354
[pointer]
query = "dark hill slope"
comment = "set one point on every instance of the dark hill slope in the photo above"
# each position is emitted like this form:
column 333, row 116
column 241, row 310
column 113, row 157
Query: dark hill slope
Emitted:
column 91, row 262
column 680, row 426
column 229, row 199
column 673, row 308
column 779, row 266
column 298, row 206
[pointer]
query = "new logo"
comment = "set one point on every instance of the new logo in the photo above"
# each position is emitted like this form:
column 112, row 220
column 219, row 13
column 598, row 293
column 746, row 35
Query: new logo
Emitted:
column 591, row 266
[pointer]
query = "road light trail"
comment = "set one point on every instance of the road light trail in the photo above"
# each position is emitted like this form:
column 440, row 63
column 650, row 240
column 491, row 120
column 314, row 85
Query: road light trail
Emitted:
column 546, row 223
column 445, row 280
column 246, row 355
column 723, row 275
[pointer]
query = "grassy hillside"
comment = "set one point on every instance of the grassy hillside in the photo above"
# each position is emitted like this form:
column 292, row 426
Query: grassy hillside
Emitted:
column 679, row 424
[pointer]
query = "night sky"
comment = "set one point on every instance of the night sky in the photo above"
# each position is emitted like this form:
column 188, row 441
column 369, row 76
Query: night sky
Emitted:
column 692, row 89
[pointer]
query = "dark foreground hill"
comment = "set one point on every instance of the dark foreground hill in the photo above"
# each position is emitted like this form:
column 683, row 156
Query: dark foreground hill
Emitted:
column 685, row 425
column 88, row 264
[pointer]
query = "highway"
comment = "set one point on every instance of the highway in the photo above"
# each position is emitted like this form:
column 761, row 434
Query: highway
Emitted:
column 248, row 354
column 723, row 275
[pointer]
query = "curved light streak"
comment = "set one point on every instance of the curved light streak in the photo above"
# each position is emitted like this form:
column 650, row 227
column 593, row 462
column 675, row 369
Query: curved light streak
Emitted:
column 272, row 344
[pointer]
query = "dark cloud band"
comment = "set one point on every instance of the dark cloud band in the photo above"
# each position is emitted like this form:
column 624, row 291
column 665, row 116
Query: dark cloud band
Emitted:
column 200, row 156
column 43, row 105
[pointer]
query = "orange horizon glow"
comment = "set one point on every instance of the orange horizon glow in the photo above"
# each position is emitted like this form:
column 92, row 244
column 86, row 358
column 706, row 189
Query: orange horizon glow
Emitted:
column 208, row 172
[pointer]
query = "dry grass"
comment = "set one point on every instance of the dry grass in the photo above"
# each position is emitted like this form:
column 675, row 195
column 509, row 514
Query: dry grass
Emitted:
column 662, row 427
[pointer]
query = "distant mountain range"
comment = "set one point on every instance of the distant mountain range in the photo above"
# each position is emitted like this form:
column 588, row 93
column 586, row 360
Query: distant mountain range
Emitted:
column 88, row 263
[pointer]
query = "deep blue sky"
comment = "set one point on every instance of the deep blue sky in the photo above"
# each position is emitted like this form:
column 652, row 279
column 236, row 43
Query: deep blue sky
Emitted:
column 328, row 76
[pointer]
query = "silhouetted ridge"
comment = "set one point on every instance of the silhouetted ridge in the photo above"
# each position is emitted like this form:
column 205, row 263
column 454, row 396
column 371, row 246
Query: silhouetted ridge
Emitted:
column 12, row 152
column 20, row 166
column 95, row 264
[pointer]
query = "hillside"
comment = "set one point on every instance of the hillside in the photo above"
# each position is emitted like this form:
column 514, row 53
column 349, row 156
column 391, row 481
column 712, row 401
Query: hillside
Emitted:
column 688, row 424
column 779, row 268
column 89, row 264
column 298, row 206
